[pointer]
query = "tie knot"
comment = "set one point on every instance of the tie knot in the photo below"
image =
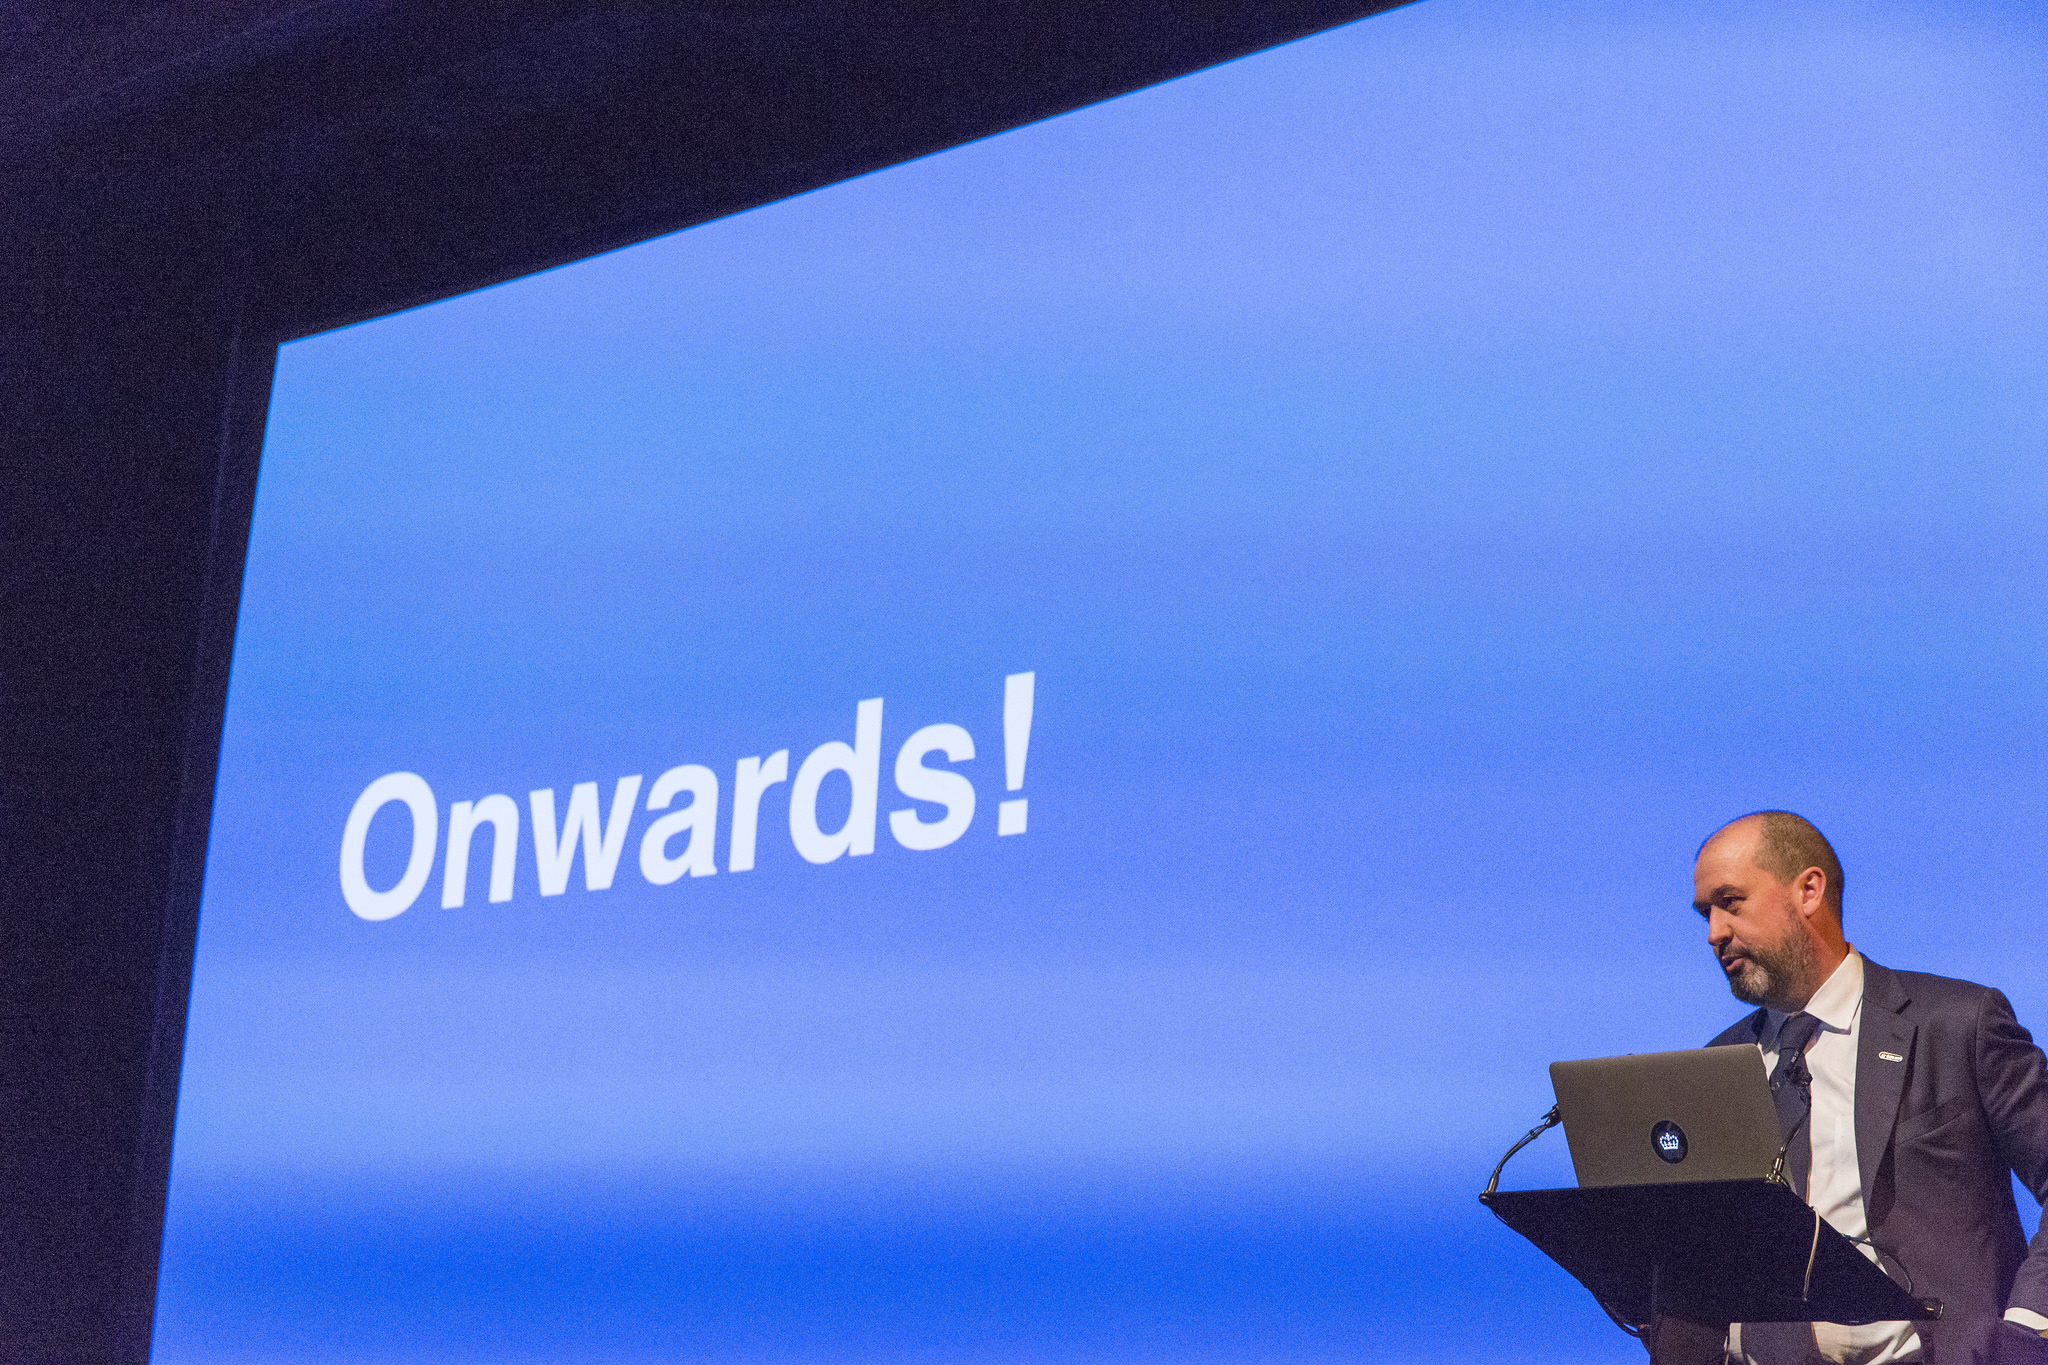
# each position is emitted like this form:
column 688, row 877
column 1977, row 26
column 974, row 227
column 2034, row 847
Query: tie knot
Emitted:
column 1797, row 1032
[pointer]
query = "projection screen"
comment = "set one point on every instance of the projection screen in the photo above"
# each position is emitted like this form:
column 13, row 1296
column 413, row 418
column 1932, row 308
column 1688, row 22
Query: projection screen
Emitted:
column 1026, row 758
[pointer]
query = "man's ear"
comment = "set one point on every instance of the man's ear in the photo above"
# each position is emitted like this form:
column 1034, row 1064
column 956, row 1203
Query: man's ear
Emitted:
column 1810, row 890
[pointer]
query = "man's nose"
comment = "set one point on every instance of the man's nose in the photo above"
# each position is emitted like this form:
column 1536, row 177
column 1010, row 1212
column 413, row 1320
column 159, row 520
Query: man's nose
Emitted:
column 1719, row 930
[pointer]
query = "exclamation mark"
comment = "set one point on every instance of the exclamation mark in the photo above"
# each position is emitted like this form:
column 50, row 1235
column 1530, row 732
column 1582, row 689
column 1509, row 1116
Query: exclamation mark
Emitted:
column 1016, row 746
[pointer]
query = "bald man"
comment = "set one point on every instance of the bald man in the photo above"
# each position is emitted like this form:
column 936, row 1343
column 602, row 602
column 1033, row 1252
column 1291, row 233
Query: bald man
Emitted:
column 1925, row 1094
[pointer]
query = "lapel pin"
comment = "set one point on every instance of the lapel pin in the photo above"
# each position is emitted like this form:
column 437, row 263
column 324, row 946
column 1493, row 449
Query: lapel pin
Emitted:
column 1889, row 1057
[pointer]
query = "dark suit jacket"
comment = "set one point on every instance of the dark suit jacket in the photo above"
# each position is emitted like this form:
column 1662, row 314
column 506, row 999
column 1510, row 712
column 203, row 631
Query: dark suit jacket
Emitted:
column 1936, row 1134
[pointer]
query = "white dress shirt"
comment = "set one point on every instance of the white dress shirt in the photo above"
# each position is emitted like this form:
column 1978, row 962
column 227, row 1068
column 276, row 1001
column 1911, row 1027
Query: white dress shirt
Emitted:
column 1835, row 1187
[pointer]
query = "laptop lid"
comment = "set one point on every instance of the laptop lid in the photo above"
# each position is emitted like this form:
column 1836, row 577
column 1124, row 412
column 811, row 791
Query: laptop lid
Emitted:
column 1657, row 1117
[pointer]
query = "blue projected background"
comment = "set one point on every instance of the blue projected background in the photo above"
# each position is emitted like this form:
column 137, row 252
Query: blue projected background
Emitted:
column 1433, row 474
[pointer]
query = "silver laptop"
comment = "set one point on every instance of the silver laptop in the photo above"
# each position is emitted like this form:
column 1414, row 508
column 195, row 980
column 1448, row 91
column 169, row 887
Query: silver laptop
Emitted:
column 1703, row 1114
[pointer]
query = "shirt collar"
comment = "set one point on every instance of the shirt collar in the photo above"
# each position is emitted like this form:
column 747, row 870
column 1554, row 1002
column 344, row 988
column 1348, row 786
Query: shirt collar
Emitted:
column 1834, row 1004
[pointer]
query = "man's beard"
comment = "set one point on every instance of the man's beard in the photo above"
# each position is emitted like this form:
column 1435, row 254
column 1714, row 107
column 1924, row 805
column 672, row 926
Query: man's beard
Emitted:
column 1788, row 963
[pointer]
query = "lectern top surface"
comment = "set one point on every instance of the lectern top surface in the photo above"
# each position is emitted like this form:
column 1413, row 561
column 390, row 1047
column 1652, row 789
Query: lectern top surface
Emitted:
column 1655, row 1117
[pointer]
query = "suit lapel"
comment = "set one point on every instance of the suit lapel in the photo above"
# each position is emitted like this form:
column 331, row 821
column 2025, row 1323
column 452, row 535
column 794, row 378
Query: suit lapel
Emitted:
column 1750, row 1030
column 1880, row 1081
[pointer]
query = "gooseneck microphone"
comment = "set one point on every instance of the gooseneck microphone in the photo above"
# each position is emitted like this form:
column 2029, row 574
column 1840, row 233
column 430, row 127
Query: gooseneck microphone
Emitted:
column 1549, row 1121
column 1778, row 1166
